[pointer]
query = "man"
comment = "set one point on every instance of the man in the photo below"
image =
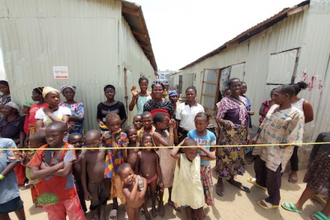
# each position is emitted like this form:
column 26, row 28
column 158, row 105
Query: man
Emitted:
column 283, row 125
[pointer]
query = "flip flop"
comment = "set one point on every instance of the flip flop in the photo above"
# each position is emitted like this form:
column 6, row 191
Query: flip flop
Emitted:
column 254, row 182
column 319, row 216
column 266, row 205
column 291, row 180
column 113, row 214
column 219, row 191
column 289, row 206
column 240, row 186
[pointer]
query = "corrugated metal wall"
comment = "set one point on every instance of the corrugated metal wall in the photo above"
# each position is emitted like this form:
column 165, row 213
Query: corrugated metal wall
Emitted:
column 90, row 37
column 308, row 30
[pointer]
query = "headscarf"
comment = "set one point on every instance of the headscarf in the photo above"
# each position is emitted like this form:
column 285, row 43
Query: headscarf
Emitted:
column 47, row 90
column 38, row 90
column 13, row 105
column 29, row 103
column 173, row 93
column 70, row 87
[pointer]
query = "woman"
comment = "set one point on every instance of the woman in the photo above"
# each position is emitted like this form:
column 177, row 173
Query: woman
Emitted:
column 307, row 109
column 233, row 117
column 5, row 97
column 53, row 112
column 37, row 97
column 76, row 120
column 158, row 103
column 140, row 98
column 186, row 112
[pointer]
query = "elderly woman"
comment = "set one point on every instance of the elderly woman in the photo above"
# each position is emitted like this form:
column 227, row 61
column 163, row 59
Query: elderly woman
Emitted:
column 232, row 116
column 76, row 120
column 53, row 112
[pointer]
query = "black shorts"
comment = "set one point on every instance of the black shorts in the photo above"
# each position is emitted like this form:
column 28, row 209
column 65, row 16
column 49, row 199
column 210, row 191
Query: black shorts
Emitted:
column 11, row 205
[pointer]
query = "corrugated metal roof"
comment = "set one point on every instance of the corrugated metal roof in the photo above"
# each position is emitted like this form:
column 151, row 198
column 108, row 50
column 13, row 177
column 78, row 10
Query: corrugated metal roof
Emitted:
column 253, row 31
column 134, row 16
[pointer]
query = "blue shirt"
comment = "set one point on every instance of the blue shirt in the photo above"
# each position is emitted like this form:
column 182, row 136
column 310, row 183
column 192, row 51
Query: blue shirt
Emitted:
column 8, row 186
column 206, row 141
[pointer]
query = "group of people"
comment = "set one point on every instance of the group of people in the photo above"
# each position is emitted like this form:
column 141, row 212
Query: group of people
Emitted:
column 168, row 146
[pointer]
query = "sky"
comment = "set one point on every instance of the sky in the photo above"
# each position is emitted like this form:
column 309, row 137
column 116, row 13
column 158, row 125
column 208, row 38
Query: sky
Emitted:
column 181, row 31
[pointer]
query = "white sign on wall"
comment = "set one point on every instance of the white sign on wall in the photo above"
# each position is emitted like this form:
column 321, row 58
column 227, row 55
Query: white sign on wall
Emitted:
column 60, row 72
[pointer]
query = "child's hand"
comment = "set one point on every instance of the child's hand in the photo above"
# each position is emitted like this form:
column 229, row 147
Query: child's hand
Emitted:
column 161, row 185
column 172, row 123
column 87, row 196
column 181, row 143
column 116, row 132
column 102, row 125
column 135, row 93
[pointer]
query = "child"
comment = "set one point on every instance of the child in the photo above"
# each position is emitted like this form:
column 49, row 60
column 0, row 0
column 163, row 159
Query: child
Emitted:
column 137, row 121
column 205, row 139
column 167, row 164
column 147, row 166
column 92, row 169
column 10, row 201
column 56, row 191
column 187, row 185
column 110, row 106
column 112, row 139
column 140, row 98
column 134, row 190
column 132, row 153
column 147, row 124
column 76, row 140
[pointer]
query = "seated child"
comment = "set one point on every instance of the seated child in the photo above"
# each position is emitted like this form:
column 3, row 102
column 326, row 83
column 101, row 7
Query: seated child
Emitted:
column 56, row 191
column 147, row 166
column 10, row 201
column 147, row 124
column 167, row 164
column 187, row 185
column 137, row 121
column 76, row 140
column 132, row 153
column 114, row 138
column 92, row 169
column 134, row 190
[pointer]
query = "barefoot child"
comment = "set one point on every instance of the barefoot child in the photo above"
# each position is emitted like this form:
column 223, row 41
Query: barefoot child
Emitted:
column 167, row 164
column 92, row 169
column 76, row 140
column 187, row 185
column 205, row 139
column 132, row 153
column 56, row 191
column 114, row 138
column 134, row 190
column 147, row 124
column 147, row 166
column 137, row 121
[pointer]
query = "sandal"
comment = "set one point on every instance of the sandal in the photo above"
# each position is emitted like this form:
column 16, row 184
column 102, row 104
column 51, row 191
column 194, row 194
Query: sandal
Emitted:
column 113, row 214
column 219, row 190
column 319, row 216
column 266, row 205
column 289, row 206
column 239, row 185
column 254, row 182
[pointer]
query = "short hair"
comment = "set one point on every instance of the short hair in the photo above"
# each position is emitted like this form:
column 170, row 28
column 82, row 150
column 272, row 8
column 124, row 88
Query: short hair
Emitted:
column 189, row 142
column 4, row 82
column 38, row 136
column 157, row 82
column 299, row 86
column 38, row 90
column 130, row 127
column 145, row 136
column 72, row 135
column 146, row 113
column 109, row 86
column 203, row 115
column 123, row 167
column 191, row 88
column 232, row 80
column 112, row 116
column 143, row 78
column 58, row 125
column 138, row 115
column 93, row 133
column 159, row 117
column 242, row 82
column 286, row 89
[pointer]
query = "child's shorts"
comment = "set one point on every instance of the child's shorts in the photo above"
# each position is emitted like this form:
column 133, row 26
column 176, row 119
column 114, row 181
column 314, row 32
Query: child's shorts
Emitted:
column 11, row 205
column 100, row 193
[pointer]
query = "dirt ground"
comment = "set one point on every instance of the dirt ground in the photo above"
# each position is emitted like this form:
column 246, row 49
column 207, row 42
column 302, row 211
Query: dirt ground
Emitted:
column 235, row 204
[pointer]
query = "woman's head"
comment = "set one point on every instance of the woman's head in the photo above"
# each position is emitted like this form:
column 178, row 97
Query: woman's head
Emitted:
column 283, row 94
column 68, row 92
column 160, row 120
column 143, row 83
column 202, row 120
column 11, row 108
column 51, row 96
column 191, row 93
column 37, row 94
column 173, row 96
column 109, row 92
column 157, row 89
column 299, row 86
column 4, row 87
column 234, row 84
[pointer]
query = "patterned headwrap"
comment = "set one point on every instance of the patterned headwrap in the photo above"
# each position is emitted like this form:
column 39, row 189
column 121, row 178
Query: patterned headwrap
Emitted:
column 172, row 93
column 70, row 87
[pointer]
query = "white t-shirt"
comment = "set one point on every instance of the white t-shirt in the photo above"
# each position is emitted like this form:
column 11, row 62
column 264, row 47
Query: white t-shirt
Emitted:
column 40, row 114
column 186, row 115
